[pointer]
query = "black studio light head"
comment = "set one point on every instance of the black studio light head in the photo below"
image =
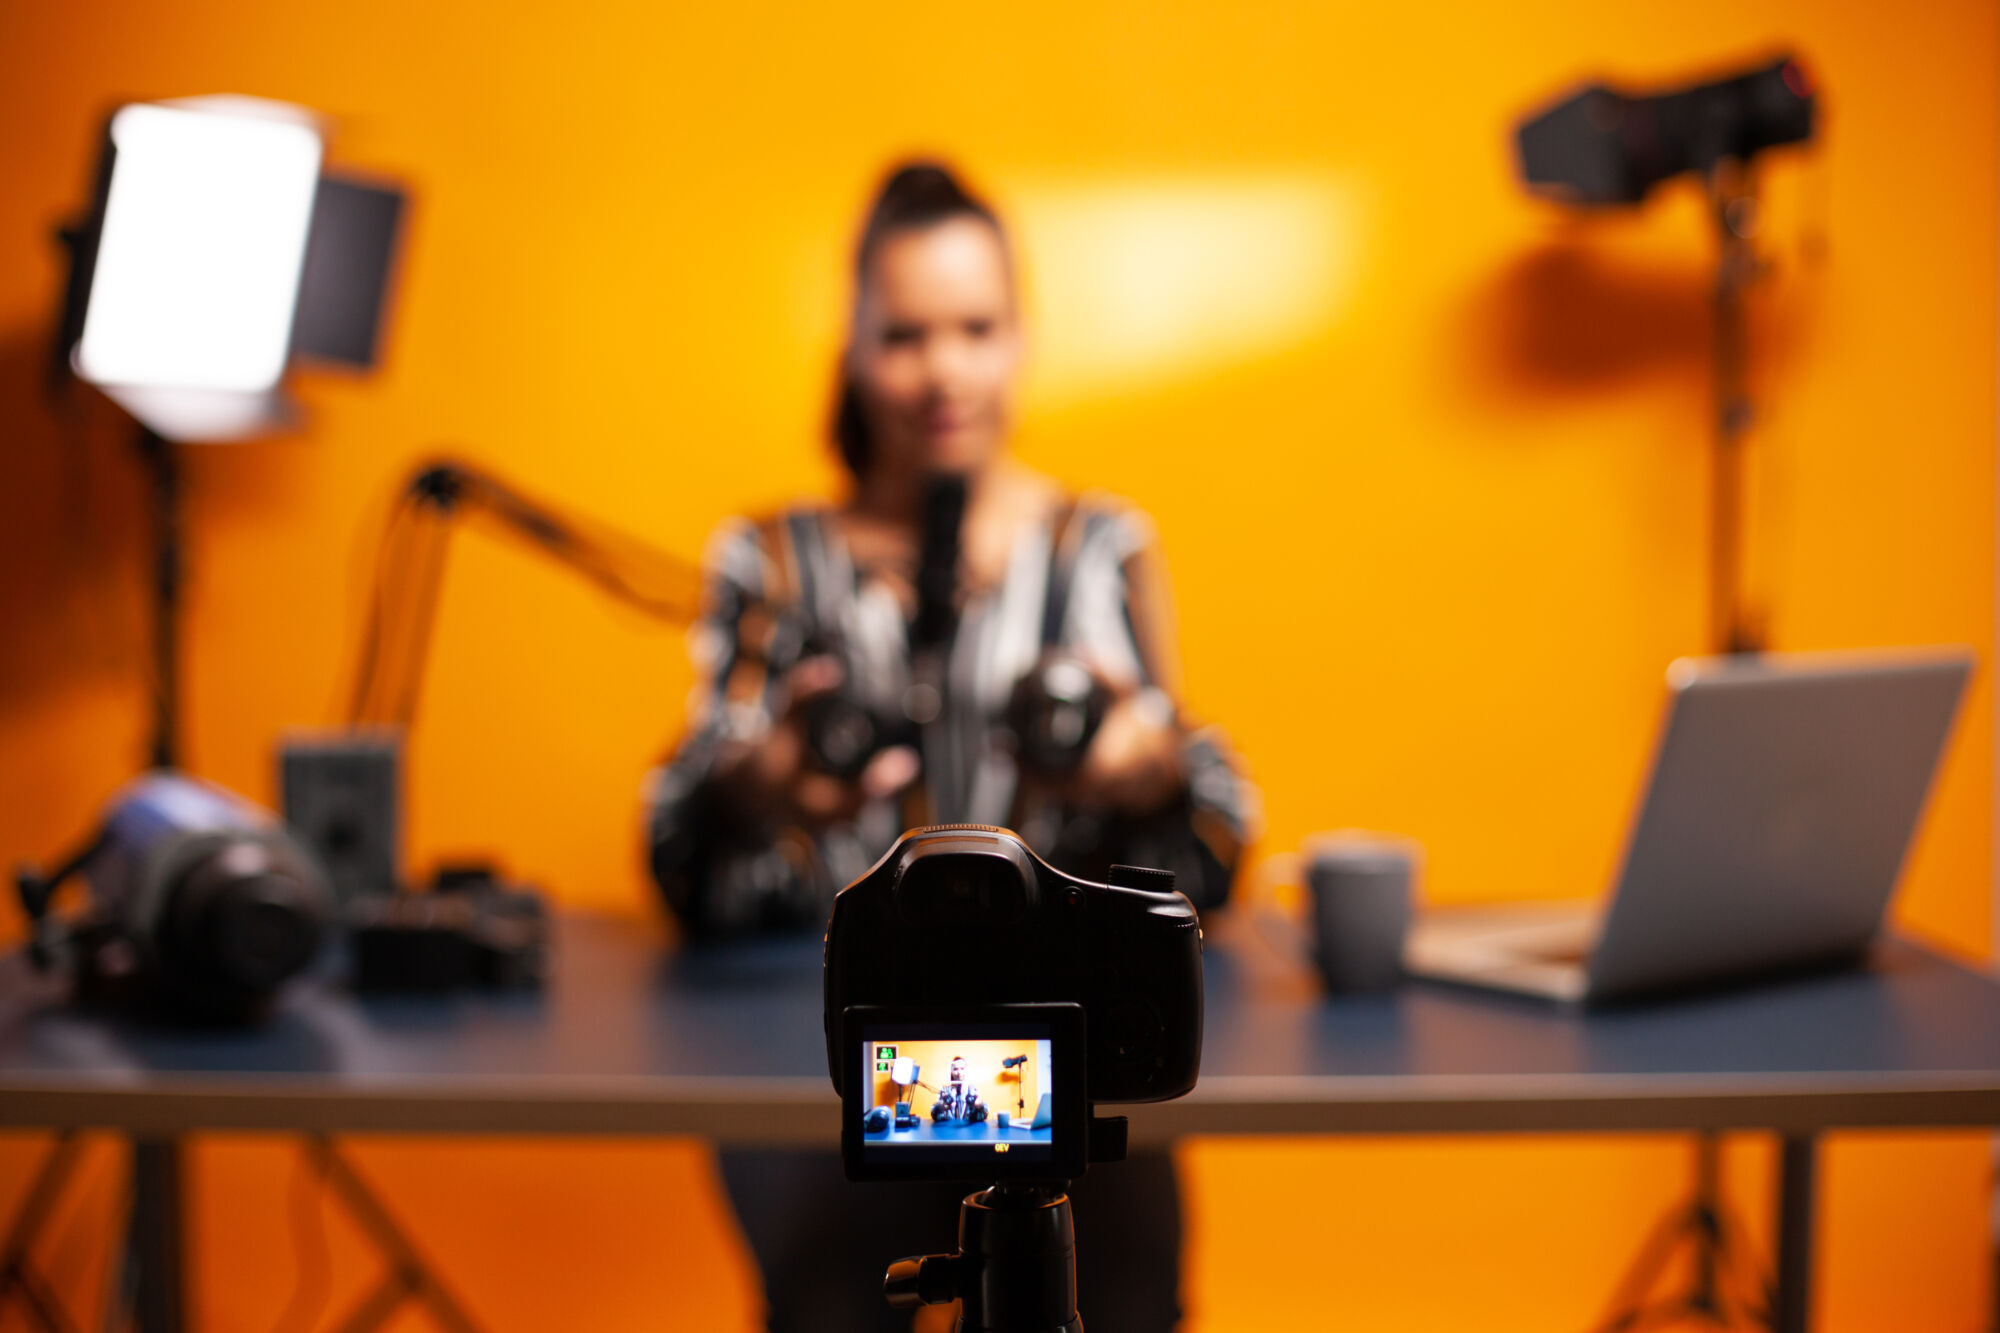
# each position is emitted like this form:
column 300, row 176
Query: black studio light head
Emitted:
column 1602, row 146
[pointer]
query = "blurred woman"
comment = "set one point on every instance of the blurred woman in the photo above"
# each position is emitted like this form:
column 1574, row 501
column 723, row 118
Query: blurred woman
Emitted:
column 752, row 827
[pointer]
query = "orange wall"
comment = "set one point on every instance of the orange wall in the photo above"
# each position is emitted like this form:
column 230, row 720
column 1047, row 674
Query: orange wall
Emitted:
column 1288, row 298
column 1015, row 1091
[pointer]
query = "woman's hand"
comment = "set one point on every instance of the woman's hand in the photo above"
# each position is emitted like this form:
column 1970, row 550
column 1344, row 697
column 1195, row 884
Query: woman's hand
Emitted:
column 771, row 777
column 1133, row 765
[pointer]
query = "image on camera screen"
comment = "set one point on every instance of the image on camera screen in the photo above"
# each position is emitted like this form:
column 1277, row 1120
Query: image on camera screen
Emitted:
column 969, row 1095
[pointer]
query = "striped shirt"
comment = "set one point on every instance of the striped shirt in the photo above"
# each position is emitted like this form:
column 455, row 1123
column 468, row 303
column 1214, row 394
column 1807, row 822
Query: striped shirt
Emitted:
column 783, row 588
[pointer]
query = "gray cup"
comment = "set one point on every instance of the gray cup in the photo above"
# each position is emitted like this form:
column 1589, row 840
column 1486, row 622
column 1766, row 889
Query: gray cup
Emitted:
column 1359, row 888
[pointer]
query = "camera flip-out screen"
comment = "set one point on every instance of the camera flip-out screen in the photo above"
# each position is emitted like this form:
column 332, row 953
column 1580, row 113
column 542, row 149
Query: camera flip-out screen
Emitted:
column 994, row 1093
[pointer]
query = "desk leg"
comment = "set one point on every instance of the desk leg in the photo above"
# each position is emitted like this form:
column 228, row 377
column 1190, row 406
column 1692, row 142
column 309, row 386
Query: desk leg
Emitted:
column 157, row 1251
column 1798, row 1170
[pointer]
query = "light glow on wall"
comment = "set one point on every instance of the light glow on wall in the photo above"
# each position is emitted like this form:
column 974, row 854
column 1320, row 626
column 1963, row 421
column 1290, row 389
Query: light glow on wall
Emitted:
column 1132, row 284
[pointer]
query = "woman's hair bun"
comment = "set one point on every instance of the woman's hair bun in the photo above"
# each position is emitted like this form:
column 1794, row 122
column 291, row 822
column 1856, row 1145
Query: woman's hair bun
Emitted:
column 913, row 196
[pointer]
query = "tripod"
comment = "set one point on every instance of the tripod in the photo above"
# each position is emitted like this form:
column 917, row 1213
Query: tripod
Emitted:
column 1725, row 1288
column 1014, row 1269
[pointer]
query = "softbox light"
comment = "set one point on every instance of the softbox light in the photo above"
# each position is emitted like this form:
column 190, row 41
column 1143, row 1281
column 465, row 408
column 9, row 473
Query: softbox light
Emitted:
column 214, row 252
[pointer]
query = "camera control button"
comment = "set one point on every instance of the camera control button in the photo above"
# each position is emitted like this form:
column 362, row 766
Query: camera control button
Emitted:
column 1138, row 877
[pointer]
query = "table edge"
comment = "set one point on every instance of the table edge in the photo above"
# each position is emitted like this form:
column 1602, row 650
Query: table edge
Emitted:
column 805, row 1111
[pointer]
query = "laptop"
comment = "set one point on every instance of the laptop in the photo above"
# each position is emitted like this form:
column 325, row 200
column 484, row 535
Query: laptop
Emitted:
column 1783, row 795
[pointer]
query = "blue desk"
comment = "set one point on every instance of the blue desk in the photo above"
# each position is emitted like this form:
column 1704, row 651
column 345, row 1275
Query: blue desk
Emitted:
column 632, row 1038
column 958, row 1132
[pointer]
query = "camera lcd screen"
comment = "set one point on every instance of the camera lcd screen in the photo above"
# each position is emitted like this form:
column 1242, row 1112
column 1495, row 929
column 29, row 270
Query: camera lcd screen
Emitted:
column 992, row 1094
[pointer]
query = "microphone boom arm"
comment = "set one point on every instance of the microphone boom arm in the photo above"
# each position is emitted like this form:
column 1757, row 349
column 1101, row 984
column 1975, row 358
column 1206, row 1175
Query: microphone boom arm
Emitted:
column 410, row 575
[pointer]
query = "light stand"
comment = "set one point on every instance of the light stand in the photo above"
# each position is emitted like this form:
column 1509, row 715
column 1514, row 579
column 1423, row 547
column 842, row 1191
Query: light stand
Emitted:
column 1018, row 1064
column 1701, row 1223
column 169, row 575
column 216, row 206
column 1717, row 1251
column 1733, row 207
column 1605, row 147
column 1602, row 146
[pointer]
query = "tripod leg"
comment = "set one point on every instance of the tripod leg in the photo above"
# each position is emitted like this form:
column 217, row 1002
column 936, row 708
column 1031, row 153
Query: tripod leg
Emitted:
column 1705, row 1299
column 1628, row 1303
column 375, row 1308
column 409, row 1274
column 16, row 1273
column 1738, row 1260
column 382, row 1300
column 114, row 1311
column 1700, row 1223
column 43, row 1309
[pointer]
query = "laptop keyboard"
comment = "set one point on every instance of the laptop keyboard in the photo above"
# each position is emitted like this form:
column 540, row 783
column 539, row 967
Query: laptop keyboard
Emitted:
column 1568, row 951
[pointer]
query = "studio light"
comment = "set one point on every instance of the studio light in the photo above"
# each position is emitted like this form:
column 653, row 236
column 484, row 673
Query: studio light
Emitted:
column 206, row 217
column 213, row 253
column 1605, row 147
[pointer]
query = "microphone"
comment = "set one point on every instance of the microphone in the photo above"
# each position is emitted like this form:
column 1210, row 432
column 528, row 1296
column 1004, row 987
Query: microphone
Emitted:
column 1013, row 1060
column 938, row 560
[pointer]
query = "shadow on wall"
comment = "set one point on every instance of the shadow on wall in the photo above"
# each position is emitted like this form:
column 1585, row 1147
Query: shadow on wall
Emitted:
column 1572, row 319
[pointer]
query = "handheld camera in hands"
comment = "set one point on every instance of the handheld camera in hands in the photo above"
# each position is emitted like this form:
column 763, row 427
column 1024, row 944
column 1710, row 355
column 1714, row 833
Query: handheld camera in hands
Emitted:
column 844, row 730
column 966, row 976
column 1052, row 713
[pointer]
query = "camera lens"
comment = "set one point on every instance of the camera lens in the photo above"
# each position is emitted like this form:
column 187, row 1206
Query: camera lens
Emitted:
column 261, row 935
column 1054, row 712
column 242, row 919
column 840, row 735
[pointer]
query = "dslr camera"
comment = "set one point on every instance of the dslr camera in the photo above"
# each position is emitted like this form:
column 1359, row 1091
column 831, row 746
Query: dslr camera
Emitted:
column 980, row 1003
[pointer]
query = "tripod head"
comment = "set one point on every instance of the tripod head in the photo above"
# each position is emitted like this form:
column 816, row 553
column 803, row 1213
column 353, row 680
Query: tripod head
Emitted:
column 1014, row 1269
